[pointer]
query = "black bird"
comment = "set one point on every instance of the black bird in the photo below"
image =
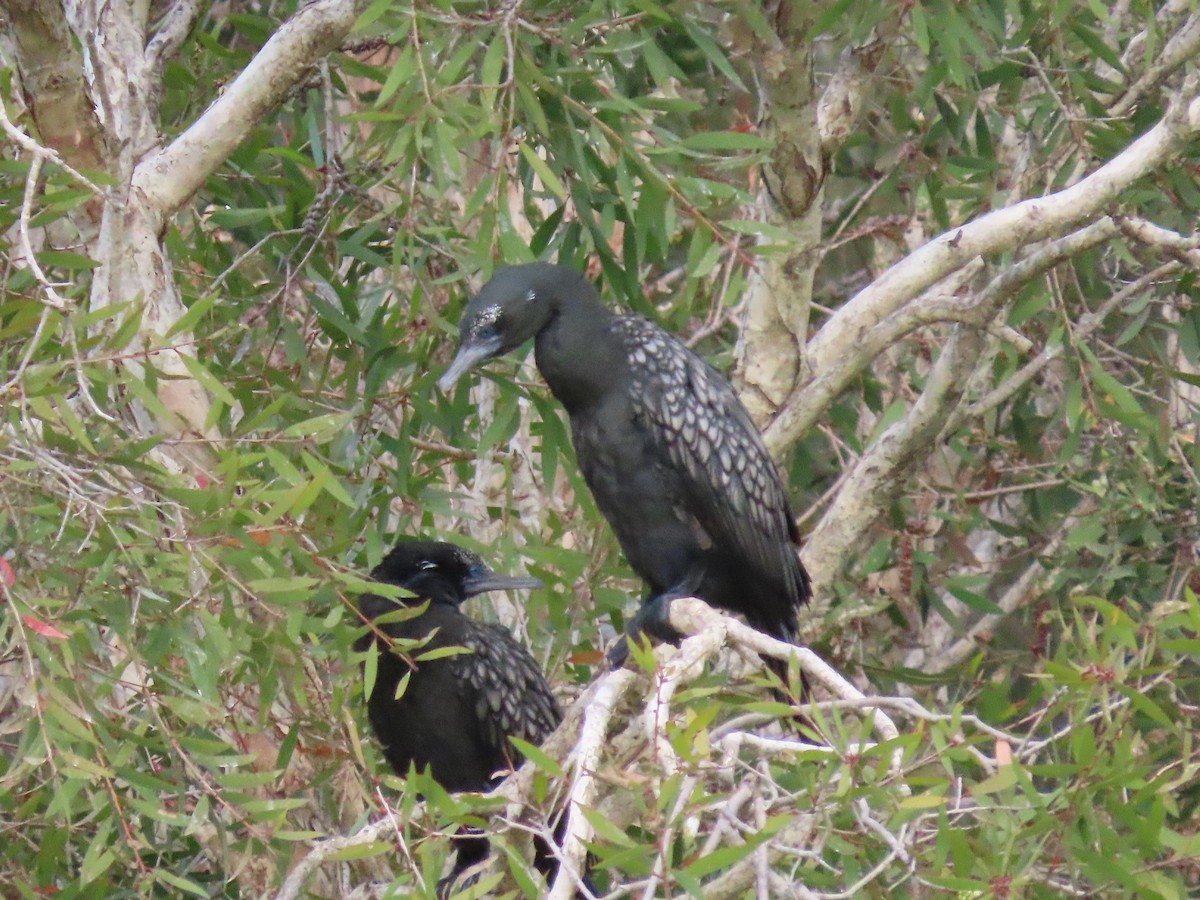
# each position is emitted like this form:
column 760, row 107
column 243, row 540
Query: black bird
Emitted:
column 457, row 713
column 672, row 458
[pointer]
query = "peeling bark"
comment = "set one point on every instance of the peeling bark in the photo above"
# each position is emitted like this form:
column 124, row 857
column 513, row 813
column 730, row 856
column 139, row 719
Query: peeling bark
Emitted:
column 52, row 81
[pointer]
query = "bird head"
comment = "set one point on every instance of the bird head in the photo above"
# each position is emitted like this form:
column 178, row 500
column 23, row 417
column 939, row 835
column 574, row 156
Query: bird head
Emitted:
column 444, row 571
column 511, row 308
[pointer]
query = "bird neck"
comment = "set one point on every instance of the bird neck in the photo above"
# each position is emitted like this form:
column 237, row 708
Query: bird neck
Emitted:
column 576, row 351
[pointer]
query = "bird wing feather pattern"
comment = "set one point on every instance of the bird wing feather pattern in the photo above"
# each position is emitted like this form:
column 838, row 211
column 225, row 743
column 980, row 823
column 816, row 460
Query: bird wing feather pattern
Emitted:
column 701, row 427
column 511, row 696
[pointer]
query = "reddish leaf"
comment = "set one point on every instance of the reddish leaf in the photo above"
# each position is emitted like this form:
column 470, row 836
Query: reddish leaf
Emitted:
column 7, row 575
column 201, row 480
column 42, row 628
column 586, row 657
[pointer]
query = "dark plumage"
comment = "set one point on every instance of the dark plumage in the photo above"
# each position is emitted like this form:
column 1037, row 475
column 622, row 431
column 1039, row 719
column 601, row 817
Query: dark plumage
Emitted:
column 672, row 458
column 457, row 713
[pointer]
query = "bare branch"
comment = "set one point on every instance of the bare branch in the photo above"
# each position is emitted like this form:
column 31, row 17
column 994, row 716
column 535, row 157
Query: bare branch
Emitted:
column 689, row 615
column 43, row 153
column 1089, row 323
column 168, row 178
column 681, row 666
column 1167, row 242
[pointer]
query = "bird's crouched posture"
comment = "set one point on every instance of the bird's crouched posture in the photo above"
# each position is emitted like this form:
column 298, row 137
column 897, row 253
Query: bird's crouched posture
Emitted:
column 457, row 713
column 671, row 456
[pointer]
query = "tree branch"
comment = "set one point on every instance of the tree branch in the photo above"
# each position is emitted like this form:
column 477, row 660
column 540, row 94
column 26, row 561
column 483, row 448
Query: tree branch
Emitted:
column 1031, row 220
column 879, row 474
column 171, row 176
column 1182, row 46
column 1170, row 243
column 583, row 788
column 170, row 36
column 327, row 847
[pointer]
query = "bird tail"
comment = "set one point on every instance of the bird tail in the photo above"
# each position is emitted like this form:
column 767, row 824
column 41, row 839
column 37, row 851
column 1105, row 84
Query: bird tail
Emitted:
column 546, row 860
column 785, row 692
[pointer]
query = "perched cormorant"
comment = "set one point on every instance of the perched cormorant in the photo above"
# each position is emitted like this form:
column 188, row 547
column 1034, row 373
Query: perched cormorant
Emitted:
column 672, row 458
column 457, row 713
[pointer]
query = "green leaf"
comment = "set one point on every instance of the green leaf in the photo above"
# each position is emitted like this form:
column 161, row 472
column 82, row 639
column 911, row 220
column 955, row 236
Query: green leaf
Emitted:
column 719, row 141
column 360, row 851
column 182, row 884
column 62, row 259
column 540, row 759
column 605, row 829
column 922, row 801
column 548, row 178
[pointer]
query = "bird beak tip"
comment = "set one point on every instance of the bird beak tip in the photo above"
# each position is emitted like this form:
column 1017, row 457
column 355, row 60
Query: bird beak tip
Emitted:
column 469, row 356
column 446, row 383
column 494, row 582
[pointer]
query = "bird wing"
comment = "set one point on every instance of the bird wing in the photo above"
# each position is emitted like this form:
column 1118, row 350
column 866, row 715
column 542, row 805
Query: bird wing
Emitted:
column 701, row 428
column 508, row 689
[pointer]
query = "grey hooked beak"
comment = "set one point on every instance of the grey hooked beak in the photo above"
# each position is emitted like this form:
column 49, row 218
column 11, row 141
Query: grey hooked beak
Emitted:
column 469, row 356
column 482, row 582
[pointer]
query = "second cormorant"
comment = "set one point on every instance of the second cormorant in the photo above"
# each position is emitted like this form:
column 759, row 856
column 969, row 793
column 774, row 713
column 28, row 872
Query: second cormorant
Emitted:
column 457, row 713
column 673, row 459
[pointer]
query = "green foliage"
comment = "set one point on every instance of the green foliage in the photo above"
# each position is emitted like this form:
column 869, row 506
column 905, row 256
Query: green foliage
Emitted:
column 180, row 708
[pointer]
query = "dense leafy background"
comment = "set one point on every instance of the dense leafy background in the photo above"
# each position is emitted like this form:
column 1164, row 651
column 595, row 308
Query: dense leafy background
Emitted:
column 180, row 708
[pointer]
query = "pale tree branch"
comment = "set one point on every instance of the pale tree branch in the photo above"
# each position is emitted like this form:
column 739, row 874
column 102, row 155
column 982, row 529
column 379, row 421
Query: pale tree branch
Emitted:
column 595, row 732
column 841, row 104
column 1181, row 47
column 1166, row 21
column 321, row 850
column 1004, row 288
column 1025, row 222
column 172, row 32
column 53, row 298
column 581, row 796
column 19, row 137
column 171, row 176
column 880, row 473
column 1169, row 243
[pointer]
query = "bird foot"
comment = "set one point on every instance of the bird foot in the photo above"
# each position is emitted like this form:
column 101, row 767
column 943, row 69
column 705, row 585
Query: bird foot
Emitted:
column 653, row 621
